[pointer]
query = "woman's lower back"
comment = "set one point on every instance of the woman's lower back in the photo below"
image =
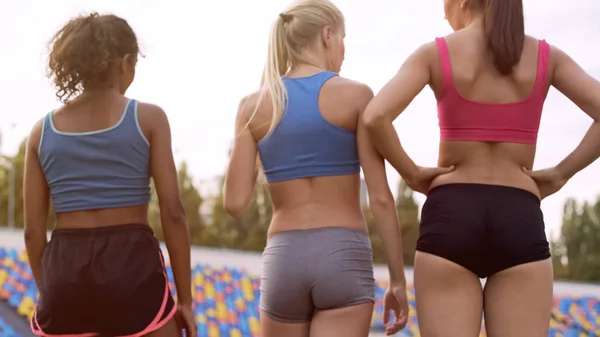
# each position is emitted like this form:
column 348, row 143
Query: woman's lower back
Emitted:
column 487, row 163
column 103, row 217
column 316, row 202
column 318, row 254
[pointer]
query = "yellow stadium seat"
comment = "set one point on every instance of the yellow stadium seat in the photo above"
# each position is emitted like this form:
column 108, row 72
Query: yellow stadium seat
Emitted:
column 247, row 290
column 3, row 277
column 22, row 309
column 415, row 331
column 201, row 319
column 213, row 331
column 198, row 279
column 254, row 325
column 209, row 291
column 221, row 311
column 412, row 311
column 240, row 305
column 27, row 307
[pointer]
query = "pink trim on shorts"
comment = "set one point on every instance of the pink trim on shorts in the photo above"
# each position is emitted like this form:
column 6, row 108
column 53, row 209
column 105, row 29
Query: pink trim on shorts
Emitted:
column 35, row 328
column 157, row 323
column 153, row 326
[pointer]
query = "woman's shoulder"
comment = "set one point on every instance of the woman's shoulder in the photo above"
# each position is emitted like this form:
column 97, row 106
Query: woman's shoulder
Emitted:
column 148, row 108
column 152, row 118
column 352, row 89
column 151, row 115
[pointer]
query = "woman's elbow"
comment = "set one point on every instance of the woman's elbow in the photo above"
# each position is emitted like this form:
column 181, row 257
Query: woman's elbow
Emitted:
column 232, row 209
column 382, row 201
column 235, row 206
column 372, row 118
column 172, row 212
column 33, row 234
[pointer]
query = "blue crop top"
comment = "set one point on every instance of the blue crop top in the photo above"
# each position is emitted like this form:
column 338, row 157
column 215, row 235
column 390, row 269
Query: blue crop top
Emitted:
column 304, row 144
column 99, row 169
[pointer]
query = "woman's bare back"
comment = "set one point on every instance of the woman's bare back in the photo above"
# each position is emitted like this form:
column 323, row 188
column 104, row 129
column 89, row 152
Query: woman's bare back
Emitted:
column 477, row 80
column 316, row 201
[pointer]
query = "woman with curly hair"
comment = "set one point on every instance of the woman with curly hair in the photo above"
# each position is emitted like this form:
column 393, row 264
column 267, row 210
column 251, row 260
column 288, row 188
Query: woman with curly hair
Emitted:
column 102, row 272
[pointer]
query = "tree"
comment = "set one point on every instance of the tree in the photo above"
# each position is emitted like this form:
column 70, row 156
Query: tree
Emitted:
column 192, row 203
column 557, row 253
column 249, row 231
column 408, row 217
column 378, row 251
column 577, row 251
column 257, row 234
column 16, row 163
column 154, row 213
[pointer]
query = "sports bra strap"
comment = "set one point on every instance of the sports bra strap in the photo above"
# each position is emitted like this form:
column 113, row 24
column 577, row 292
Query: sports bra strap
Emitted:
column 543, row 63
column 446, row 65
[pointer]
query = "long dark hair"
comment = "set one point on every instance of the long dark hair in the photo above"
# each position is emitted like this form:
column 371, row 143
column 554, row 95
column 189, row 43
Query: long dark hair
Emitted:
column 505, row 30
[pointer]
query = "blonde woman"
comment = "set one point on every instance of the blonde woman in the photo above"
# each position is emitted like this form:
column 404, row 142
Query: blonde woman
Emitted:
column 317, row 277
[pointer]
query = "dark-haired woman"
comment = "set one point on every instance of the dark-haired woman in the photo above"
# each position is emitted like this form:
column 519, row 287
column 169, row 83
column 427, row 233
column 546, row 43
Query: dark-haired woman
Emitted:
column 483, row 219
column 102, row 273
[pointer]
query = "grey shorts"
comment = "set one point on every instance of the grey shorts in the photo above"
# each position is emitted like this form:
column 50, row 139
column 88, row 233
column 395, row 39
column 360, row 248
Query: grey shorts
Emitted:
column 315, row 269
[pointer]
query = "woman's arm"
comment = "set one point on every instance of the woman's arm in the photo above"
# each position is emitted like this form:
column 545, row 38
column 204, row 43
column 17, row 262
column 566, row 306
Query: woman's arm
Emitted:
column 390, row 102
column 35, row 203
column 172, row 212
column 243, row 169
column 383, row 208
column 387, row 105
column 583, row 90
column 381, row 199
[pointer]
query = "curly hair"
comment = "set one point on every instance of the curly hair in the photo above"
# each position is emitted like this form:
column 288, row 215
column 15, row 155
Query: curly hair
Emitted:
column 82, row 52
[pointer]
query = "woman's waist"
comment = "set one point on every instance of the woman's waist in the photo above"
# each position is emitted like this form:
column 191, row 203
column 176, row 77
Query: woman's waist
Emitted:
column 502, row 175
column 309, row 217
column 107, row 217
column 321, row 242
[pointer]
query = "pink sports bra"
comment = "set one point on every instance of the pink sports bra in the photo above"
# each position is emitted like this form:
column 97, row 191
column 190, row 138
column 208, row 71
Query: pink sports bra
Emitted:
column 463, row 120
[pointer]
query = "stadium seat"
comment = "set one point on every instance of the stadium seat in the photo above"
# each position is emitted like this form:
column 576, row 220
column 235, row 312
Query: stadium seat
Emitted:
column 6, row 330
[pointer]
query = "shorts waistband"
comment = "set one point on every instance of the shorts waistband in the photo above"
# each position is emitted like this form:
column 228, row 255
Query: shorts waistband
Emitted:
column 485, row 188
column 103, row 231
column 321, row 229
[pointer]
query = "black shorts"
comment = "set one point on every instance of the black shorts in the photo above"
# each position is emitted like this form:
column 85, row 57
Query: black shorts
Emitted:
column 484, row 228
column 107, row 281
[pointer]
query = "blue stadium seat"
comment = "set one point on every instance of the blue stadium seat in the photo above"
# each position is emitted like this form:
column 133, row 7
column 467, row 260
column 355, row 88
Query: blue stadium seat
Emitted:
column 7, row 330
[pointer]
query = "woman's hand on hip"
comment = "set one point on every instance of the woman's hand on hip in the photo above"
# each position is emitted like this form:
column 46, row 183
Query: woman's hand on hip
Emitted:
column 420, row 180
column 549, row 181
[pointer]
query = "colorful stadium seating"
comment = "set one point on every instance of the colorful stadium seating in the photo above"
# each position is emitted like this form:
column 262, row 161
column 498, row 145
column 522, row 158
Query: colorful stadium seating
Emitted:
column 226, row 302
column 6, row 330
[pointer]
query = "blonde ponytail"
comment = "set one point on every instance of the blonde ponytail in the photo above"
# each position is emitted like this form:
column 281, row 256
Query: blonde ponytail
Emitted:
column 278, row 64
column 293, row 31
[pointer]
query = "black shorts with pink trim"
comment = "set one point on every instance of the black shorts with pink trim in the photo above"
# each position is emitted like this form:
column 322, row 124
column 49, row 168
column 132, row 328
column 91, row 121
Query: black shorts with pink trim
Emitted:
column 106, row 281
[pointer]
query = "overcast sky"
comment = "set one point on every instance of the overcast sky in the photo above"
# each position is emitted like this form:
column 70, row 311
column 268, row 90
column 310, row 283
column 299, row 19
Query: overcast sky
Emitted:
column 203, row 56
